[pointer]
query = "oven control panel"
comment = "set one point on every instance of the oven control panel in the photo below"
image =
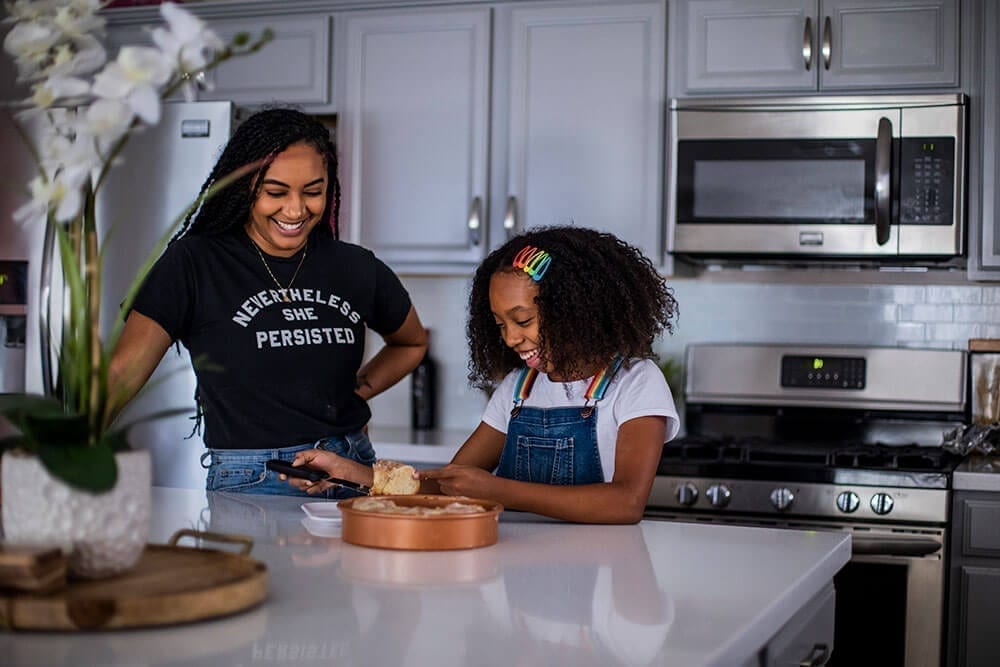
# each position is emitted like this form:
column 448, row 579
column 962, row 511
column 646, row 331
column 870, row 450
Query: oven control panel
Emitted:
column 823, row 372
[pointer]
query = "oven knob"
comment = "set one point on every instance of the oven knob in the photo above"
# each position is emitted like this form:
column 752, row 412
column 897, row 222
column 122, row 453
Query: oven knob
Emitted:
column 848, row 502
column 782, row 499
column 881, row 503
column 687, row 494
column 718, row 495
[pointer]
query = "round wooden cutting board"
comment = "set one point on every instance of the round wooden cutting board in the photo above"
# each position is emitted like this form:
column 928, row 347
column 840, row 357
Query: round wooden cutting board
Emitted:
column 170, row 584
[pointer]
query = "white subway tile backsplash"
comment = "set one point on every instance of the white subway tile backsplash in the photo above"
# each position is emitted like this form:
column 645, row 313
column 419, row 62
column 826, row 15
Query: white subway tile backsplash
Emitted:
column 932, row 316
column 927, row 313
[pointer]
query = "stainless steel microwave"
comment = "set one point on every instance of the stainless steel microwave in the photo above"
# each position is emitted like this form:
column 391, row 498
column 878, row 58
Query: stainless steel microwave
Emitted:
column 872, row 177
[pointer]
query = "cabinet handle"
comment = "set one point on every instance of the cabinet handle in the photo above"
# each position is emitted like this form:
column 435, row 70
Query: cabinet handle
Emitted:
column 827, row 47
column 510, row 218
column 883, row 165
column 807, row 44
column 475, row 221
column 819, row 655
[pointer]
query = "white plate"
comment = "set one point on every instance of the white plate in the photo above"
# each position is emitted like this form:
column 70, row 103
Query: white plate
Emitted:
column 321, row 528
column 327, row 512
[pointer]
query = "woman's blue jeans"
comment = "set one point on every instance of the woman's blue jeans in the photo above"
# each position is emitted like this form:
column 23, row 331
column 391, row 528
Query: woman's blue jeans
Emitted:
column 244, row 471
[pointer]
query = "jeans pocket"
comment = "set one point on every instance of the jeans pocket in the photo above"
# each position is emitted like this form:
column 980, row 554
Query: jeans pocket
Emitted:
column 354, row 446
column 545, row 460
column 235, row 476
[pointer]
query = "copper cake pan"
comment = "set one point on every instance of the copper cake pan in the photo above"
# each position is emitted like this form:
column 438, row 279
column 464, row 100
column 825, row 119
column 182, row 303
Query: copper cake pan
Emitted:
column 427, row 532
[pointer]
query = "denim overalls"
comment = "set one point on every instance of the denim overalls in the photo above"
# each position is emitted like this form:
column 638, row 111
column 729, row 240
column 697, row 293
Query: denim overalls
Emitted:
column 243, row 471
column 554, row 445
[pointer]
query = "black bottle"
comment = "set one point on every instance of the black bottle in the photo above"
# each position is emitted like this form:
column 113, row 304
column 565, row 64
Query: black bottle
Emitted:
column 423, row 393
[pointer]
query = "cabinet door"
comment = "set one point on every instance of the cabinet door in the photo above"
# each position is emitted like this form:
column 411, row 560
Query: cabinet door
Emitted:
column 745, row 45
column 412, row 125
column 293, row 68
column 584, row 109
column 980, row 589
column 984, row 238
column 889, row 43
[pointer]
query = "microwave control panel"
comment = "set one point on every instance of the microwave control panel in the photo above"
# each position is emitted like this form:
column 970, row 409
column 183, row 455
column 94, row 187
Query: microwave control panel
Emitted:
column 927, row 181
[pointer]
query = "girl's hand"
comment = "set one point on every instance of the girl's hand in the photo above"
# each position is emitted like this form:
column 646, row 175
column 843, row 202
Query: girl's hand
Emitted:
column 461, row 480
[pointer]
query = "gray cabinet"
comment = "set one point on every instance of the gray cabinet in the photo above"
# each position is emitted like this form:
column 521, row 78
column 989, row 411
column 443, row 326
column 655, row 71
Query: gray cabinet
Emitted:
column 459, row 127
column 294, row 68
column 984, row 191
column 746, row 46
column 413, row 131
column 974, row 580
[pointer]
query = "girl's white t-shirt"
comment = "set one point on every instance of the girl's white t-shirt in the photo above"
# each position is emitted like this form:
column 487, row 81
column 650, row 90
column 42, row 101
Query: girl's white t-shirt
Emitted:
column 637, row 391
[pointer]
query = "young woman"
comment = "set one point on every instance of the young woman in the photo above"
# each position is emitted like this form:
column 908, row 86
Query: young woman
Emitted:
column 567, row 318
column 273, row 308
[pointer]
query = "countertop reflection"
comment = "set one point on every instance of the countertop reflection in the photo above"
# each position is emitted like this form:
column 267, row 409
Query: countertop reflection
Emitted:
column 548, row 593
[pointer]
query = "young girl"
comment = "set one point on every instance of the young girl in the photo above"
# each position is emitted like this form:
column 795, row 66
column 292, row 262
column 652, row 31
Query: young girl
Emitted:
column 567, row 318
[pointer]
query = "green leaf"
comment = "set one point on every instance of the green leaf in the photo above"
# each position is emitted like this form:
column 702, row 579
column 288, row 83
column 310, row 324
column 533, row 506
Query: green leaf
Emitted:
column 87, row 468
column 117, row 441
column 241, row 38
column 63, row 430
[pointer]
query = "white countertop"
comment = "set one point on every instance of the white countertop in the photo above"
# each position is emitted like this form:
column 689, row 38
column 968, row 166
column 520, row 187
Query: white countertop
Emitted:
column 547, row 593
column 977, row 473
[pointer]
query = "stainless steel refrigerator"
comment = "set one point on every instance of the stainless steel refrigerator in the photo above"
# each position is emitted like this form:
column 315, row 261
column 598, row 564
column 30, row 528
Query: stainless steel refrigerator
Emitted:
column 162, row 171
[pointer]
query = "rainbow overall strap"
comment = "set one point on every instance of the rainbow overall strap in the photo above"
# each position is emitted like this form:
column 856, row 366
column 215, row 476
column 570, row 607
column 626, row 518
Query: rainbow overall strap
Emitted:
column 595, row 392
column 599, row 385
column 522, row 388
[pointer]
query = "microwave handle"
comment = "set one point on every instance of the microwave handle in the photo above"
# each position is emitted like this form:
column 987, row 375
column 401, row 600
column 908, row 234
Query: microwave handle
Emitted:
column 883, row 166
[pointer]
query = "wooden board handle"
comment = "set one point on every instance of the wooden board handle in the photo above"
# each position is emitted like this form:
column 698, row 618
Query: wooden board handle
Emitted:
column 244, row 540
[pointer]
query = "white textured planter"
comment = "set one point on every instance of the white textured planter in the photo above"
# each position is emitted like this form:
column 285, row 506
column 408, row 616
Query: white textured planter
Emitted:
column 102, row 534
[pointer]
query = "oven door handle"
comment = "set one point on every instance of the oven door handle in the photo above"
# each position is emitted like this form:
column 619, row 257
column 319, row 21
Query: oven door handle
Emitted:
column 894, row 546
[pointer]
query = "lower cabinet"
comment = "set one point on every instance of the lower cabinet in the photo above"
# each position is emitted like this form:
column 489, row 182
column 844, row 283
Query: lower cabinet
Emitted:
column 807, row 639
column 974, row 577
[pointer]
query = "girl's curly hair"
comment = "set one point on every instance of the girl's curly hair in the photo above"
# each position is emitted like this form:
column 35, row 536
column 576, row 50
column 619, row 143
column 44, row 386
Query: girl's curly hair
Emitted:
column 261, row 137
column 599, row 297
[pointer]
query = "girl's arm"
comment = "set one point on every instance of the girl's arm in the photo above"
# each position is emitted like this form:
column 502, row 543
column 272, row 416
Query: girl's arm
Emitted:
column 403, row 350
column 622, row 500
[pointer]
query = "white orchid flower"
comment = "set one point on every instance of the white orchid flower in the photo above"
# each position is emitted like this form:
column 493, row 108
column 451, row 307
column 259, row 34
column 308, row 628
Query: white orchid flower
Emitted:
column 61, row 195
column 29, row 10
column 58, row 89
column 135, row 77
column 79, row 18
column 30, row 44
column 83, row 55
column 187, row 40
column 107, row 121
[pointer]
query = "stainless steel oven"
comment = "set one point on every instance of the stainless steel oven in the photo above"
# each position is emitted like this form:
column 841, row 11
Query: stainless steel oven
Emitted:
column 842, row 177
column 831, row 438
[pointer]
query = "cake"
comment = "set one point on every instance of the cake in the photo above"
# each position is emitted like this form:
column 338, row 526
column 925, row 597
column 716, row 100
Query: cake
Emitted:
column 394, row 479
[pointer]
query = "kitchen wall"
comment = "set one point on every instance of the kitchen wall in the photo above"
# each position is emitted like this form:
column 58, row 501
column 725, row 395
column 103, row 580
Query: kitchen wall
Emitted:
column 923, row 310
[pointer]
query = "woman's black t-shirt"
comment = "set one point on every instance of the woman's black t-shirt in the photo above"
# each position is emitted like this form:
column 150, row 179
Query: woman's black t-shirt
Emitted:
column 271, row 373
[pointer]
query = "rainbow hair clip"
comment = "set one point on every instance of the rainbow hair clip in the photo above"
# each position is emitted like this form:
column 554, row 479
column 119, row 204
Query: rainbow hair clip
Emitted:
column 533, row 261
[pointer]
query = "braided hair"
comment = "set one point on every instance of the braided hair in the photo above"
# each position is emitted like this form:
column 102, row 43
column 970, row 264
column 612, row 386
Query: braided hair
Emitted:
column 262, row 137
column 598, row 297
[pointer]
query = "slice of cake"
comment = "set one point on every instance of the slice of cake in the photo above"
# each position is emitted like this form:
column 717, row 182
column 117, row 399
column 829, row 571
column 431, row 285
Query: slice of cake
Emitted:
column 394, row 479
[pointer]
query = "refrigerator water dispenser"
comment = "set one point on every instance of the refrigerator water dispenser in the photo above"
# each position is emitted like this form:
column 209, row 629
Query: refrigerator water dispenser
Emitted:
column 13, row 324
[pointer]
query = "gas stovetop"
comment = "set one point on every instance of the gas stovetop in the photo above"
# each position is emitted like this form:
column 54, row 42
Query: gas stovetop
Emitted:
column 834, row 463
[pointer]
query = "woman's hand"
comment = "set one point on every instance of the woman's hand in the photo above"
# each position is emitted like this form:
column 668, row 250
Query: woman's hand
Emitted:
column 461, row 480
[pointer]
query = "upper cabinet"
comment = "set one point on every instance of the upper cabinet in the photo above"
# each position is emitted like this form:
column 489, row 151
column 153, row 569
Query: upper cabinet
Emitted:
column 750, row 46
column 293, row 68
column 460, row 127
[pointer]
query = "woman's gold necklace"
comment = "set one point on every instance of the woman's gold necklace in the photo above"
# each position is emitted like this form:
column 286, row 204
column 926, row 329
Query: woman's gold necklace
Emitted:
column 282, row 290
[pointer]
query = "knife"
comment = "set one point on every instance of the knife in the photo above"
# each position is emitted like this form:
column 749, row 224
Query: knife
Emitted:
column 347, row 484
